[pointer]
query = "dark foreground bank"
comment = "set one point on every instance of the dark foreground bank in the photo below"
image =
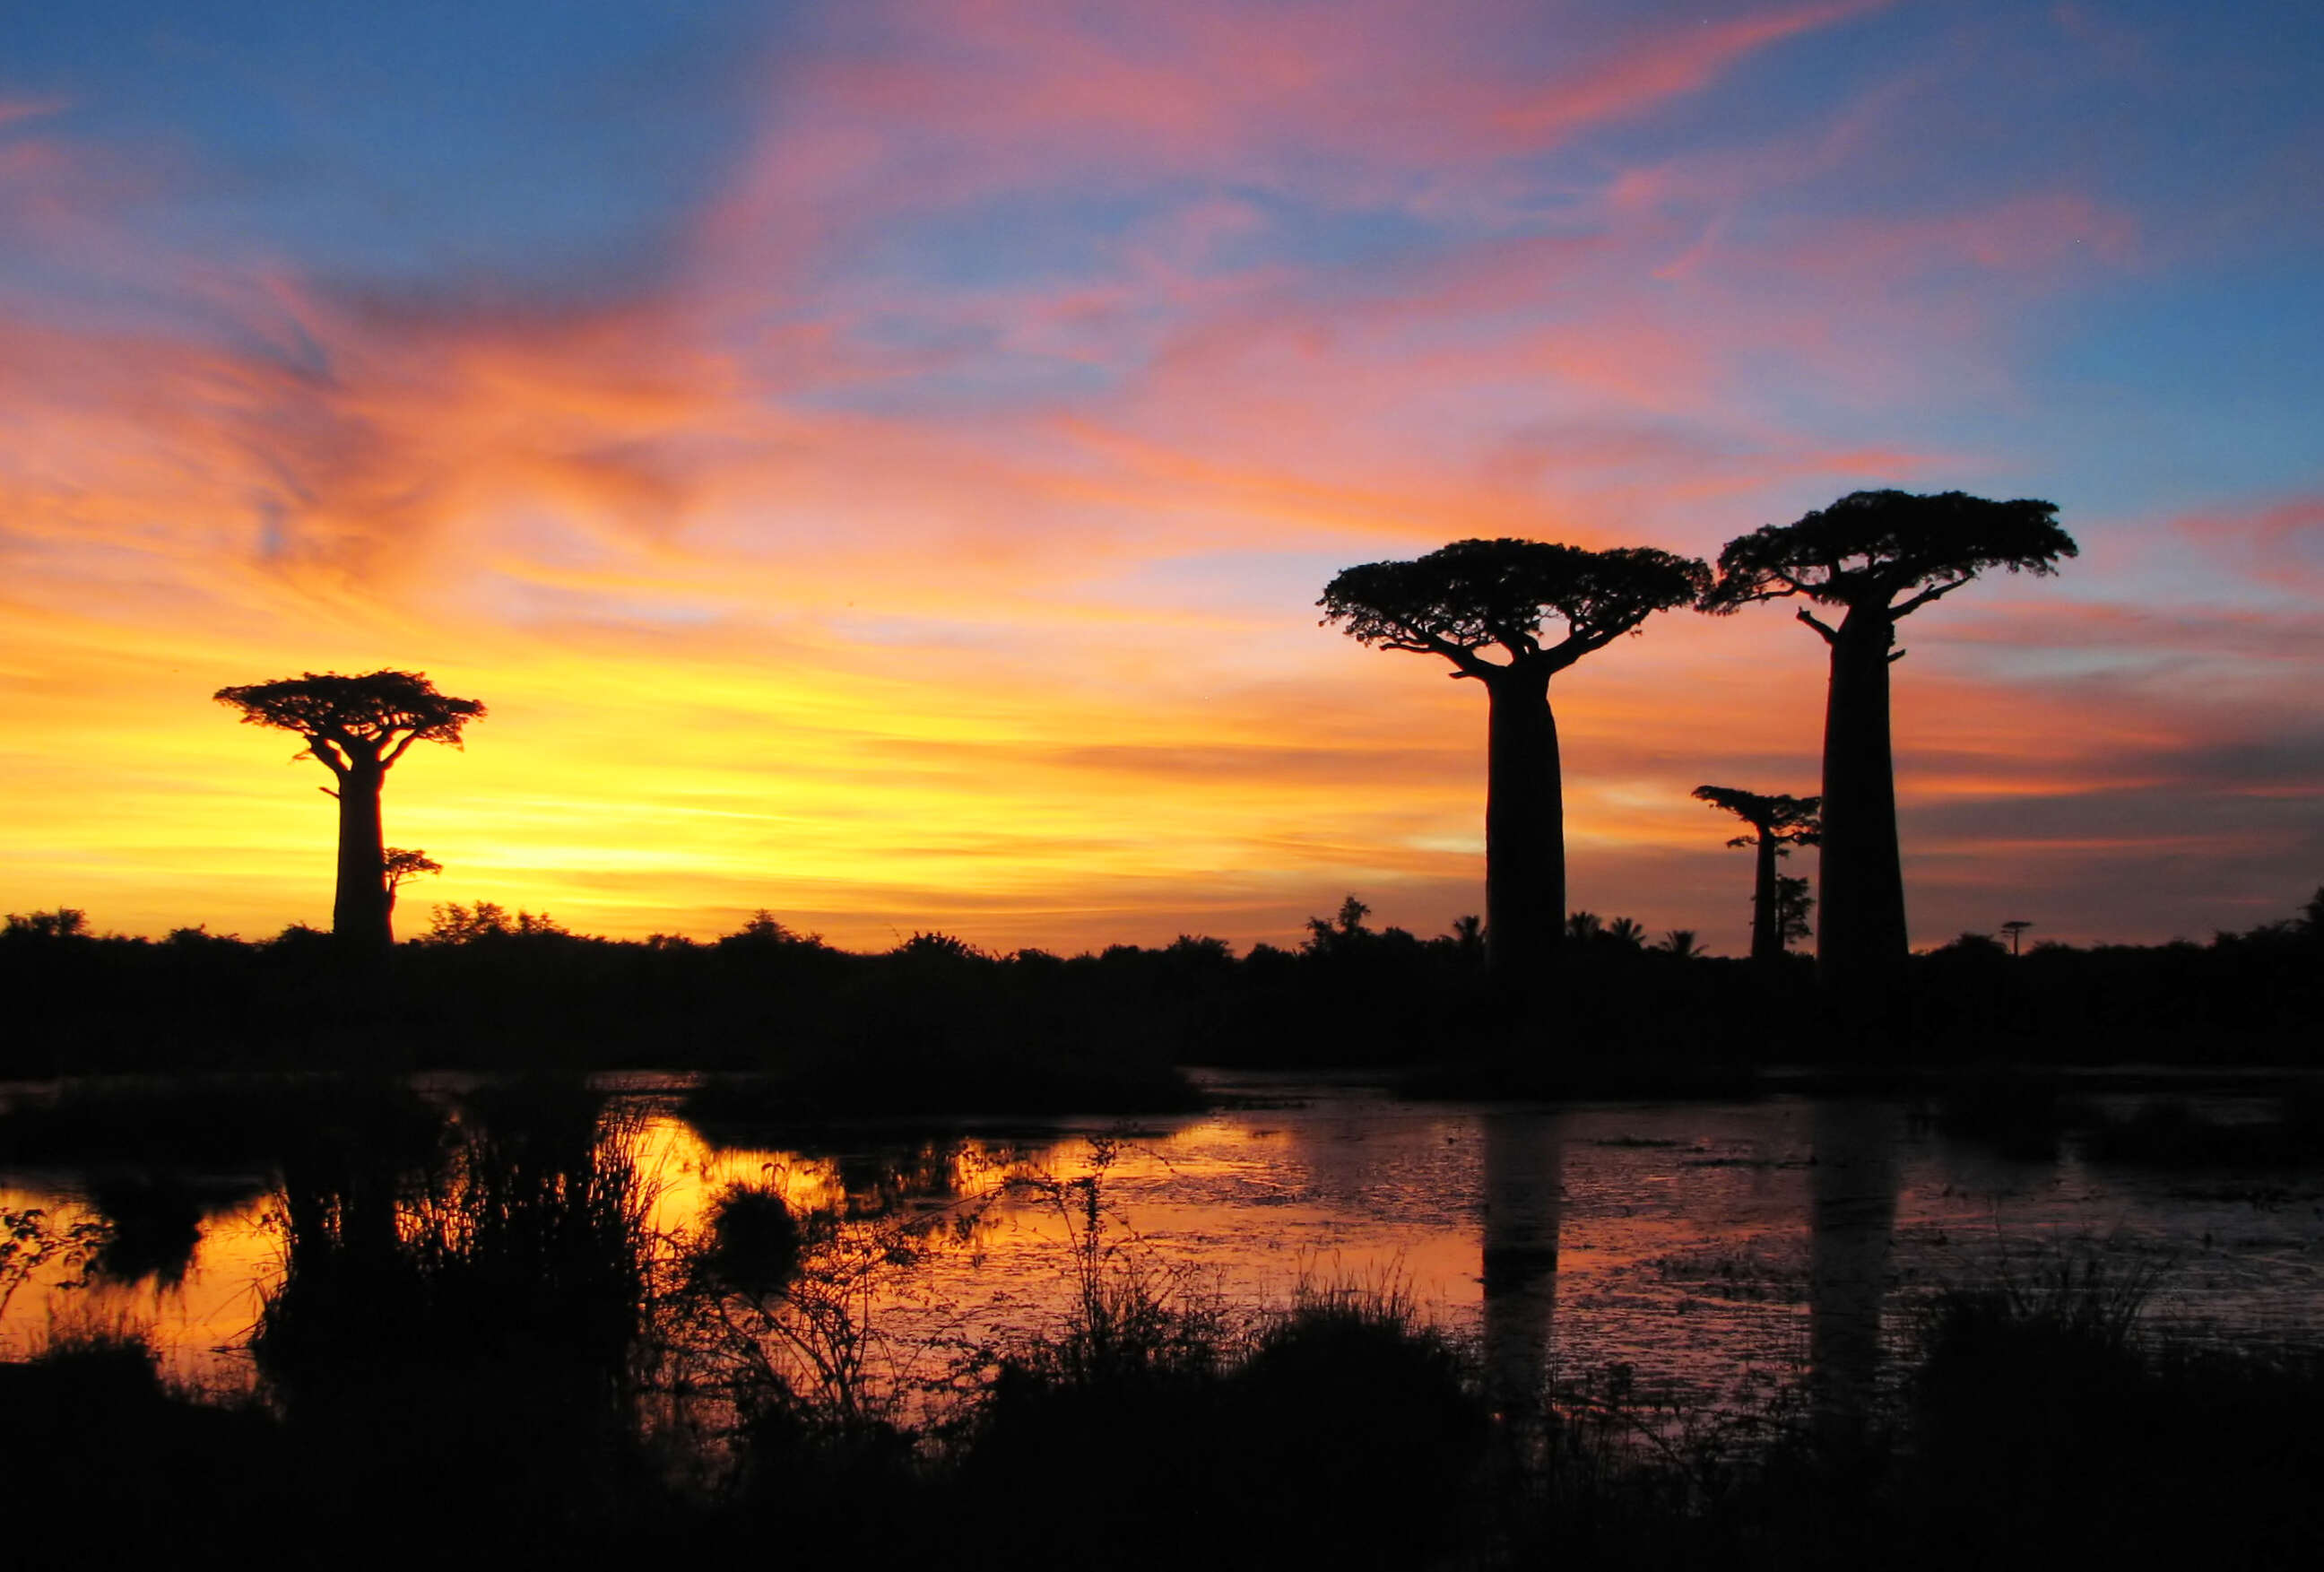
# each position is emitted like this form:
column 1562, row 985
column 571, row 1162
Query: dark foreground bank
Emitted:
column 2030, row 1430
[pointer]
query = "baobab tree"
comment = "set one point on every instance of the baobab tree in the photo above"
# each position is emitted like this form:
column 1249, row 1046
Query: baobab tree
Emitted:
column 1778, row 825
column 1876, row 557
column 357, row 727
column 399, row 867
column 1482, row 604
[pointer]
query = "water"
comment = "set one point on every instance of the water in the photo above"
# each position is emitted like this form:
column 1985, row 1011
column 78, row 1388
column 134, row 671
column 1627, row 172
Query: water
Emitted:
column 1708, row 1251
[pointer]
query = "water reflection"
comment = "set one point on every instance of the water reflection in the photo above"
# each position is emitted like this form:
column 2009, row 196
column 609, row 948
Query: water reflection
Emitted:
column 1524, row 1161
column 1693, row 1242
column 1852, row 1229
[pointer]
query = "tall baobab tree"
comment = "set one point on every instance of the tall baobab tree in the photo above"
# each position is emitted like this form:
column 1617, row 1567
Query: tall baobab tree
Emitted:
column 1875, row 558
column 1777, row 824
column 1482, row 604
column 357, row 727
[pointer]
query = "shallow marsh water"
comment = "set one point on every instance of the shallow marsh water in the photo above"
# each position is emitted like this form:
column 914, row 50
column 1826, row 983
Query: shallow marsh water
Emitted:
column 1709, row 1250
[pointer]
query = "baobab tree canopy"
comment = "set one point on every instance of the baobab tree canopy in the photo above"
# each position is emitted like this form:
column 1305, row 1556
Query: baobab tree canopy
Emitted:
column 1871, row 547
column 1473, row 594
column 1791, row 821
column 368, row 718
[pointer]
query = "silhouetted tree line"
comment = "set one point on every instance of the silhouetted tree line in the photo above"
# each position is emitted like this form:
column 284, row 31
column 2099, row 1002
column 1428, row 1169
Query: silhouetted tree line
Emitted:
column 1511, row 615
column 937, row 1025
column 1870, row 559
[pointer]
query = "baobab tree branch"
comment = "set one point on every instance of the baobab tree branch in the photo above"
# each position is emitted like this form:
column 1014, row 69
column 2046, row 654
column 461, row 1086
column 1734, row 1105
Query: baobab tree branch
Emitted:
column 1936, row 592
column 1419, row 642
column 324, row 752
column 1831, row 635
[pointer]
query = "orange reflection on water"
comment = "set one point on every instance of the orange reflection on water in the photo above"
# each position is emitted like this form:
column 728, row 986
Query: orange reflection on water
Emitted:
column 1716, row 1251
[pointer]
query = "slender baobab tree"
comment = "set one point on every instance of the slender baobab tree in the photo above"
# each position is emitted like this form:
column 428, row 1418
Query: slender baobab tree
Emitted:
column 399, row 867
column 1874, row 557
column 1778, row 825
column 357, row 727
column 1482, row 604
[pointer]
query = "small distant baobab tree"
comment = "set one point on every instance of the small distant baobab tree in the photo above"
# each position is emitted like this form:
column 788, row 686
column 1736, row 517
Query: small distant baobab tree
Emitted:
column 1778, row 825
column 357, row 727
column 1482, row 604
column 1874, row 557
column 399, row 867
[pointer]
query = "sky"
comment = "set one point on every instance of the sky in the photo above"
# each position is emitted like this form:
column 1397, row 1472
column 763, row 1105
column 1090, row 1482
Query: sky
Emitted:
column 877, row 460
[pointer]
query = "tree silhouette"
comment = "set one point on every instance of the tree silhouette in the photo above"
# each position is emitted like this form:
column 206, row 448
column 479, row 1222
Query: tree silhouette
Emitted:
column 2015, row 928
column 1877, row 557
column 357, row 727
column 1469, row 935
column 1678, row 944
column 398, row 866
column 1778, row 825
column 1480, row 605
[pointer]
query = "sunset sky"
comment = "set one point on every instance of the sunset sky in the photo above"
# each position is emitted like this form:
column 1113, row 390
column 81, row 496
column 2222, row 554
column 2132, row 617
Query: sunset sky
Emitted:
column 877, row 460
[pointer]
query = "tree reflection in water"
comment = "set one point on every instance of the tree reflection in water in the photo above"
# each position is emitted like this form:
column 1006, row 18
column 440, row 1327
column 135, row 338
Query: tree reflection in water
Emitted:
column 1523, row 1175
column 1853, row 1225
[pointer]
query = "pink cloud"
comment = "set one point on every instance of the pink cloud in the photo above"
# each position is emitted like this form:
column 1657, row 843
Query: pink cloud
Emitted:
column 1685, row 61
column 16, row 110
column 910, row 108
column 2281, row 544
column 2035, row 237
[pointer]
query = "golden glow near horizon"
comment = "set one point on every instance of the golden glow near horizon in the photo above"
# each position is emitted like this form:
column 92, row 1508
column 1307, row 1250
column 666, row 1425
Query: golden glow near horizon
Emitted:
column 853, row 563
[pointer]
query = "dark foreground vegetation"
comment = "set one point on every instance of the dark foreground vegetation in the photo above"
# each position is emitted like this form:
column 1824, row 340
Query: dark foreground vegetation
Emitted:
column 480, row 1347
column 935, row 1025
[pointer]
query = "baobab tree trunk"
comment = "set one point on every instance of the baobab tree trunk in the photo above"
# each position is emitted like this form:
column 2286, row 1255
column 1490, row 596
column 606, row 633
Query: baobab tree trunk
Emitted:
column 359, row 915
column 1524, row 826
column 1766, row 929
column 1860, row 942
